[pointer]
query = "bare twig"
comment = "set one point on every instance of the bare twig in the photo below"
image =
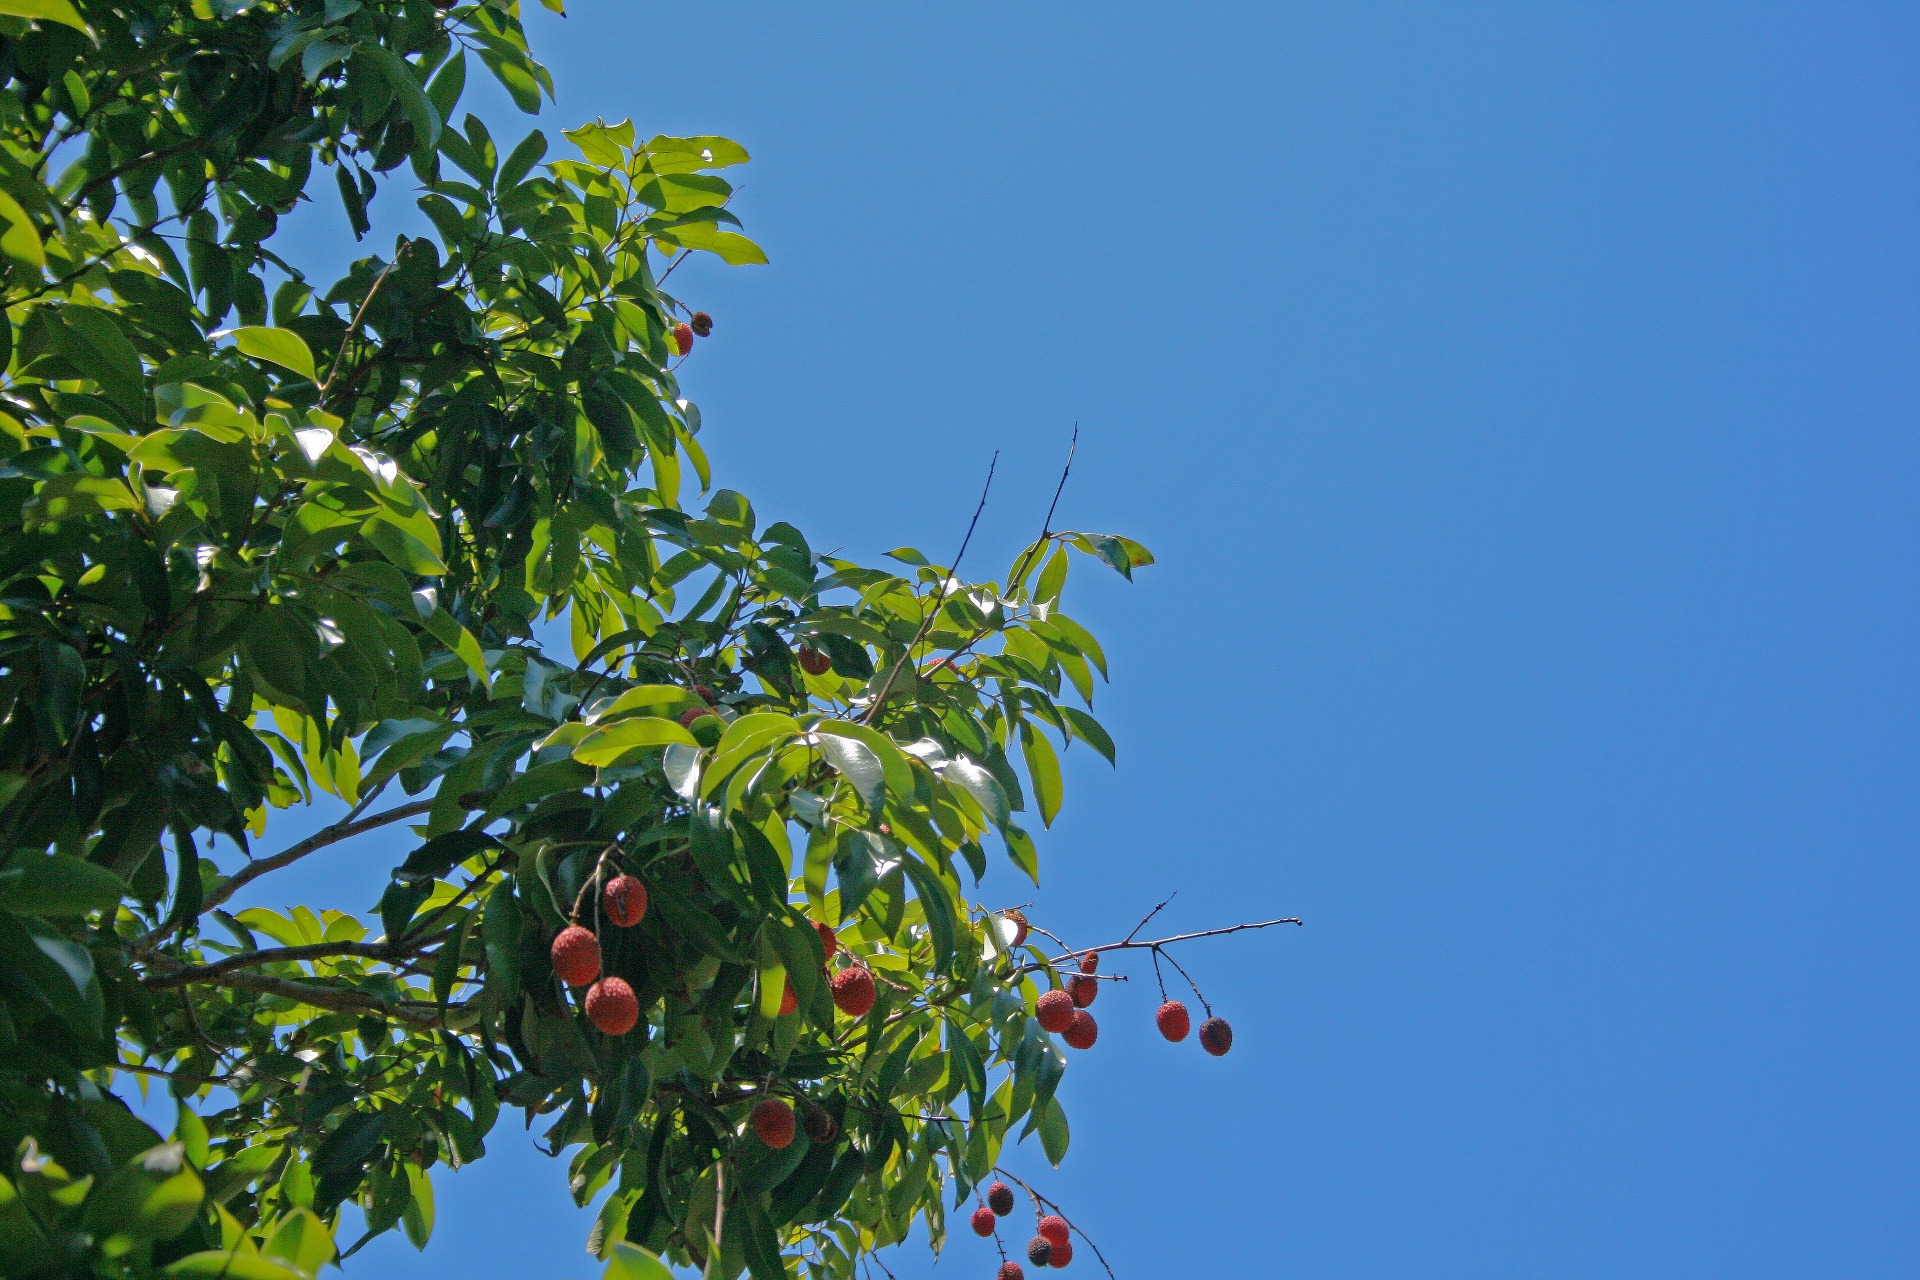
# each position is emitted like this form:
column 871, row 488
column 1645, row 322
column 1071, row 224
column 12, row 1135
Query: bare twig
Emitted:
column 275, row 955
column 348, row 827
column 1046, row 526
column 354, row 327
column 1150, row 915
column 1156, row 943
column 1041, row 1200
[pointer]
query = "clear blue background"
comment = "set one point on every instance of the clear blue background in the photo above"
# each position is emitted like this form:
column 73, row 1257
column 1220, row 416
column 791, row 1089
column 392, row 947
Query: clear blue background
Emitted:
column 1521, row 401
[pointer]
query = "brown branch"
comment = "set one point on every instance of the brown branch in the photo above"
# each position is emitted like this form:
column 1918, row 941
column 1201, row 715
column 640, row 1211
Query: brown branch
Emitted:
column 358, row 316
column 1046, row 526
column 344, row 829
column 1042, row 1201
column 275, row 955
column 1156, row 943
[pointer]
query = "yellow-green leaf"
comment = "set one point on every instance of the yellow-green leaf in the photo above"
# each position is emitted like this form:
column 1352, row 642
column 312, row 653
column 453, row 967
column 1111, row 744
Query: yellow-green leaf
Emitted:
column 276, row 346
column 604, row 746
column 43, row 10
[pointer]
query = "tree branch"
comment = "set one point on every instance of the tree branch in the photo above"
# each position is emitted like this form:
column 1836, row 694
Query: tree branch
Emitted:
column 278, row 955
column 344, row 829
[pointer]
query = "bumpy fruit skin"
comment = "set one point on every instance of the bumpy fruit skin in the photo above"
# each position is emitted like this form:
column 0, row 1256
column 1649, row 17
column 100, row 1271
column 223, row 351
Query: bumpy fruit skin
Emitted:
column 1000, row 1198
column 1039, row 1251
column 819, row 1124
column 1054, row 1228
column 814, row 662
column 772, row 1119
column 1082, row 1031
column 1216, row 1037
column 828, row 938
column 1062, row 1253
column 689, row 716
column 1083, row 990
column 982, row 1221
column 1090, row 962
column 701, row 324
column 1055, row 1011
column 789, row 1002
column 624, row 901
column 683, row 338
column 576, row 955
column 1020, row 926
column 612, row 1007
column 1173, row 1021
column 1009, row 1271
column 853, row 991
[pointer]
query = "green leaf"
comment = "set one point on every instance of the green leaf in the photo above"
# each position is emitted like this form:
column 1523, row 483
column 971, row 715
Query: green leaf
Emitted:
column 1053, row 1130
column 55, row 884
column 936, row 902
column 283, row 347
column 1043, row 766
column 301, row 1239
column 855, row 761
column 979, row 784
column 631, row 1262
column 457, row 638
column 606, row 745
column 44, row 10
column 400, row 540
column 20, row 241
column 733, row 248
column 1088, row 730
column 413, row 99
column 226, row 1264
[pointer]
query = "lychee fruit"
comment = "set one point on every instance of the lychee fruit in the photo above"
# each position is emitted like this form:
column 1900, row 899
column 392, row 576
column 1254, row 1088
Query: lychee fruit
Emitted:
column 853, row 991
column 624, row 901
column 1039, row 1251
column 1172, row 1020
column 772, row 1119
column 1020, row 925
column 576, row 955
column 982, row 1221
column 612, row 1007
column 1083, row 989
column 814, row 662
column 1054, row 1228
column 828, row 938
column 1055, row 1011
column 701, row 324
column 1090, row 962
column 683, row 338
column 789, row 1002
column 1216, row 1037
column 1082, row 1031
column 695, row 713
column 1062, row 1253
column 819, row 1124
column 1009, row 1271
column 1000, row 1198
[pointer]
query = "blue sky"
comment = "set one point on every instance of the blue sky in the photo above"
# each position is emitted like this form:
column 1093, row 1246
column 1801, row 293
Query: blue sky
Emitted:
column 1521, row 402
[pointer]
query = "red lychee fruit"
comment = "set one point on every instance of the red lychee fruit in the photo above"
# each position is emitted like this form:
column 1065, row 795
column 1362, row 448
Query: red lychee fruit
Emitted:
column 1062, row 1253
column 814, row 662
column 1000, row 1198
column 853, row 991
column 624, row 901
column 702, row 692
column 788, row 1001
column 819, row 1124
column 772, row 1119
column 1020, row 926
column 1082, row 1031
column 1039, row 1251
column 982, row 1221
column 828, row 939
column 695, row 713
column 612, row 1007
column 1055, row 1011
column 1172, row 1020
column 1216, row 1037
column 1054, row 1228
column 576, row 955
column 701, row 324
column 683, row 338
column 1009, row 1271
column 1090, row 962
column 1083, row 989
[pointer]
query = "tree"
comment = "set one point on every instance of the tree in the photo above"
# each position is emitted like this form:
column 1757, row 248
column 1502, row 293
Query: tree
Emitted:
column 257, row 550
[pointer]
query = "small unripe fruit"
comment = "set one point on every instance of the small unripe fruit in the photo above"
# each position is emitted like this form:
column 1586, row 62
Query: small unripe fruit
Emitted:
column 1172, row 1020
column 1054, row 1228
column 1055, row 1011
column 683, row 338
column 1090, row 962
column 701, row 324
column 1083, row 990
column 772, row 1119
column 853, row 991
column 576, row 955
column 814, row 662
column 1062, row 1253
column 1020, row 926
column 612, row 1007
column 1082, row 1031
column 1009, row 1271
column 788, row 1001
column 625, row 901
column 819, row 1124
column 828, row 939
column 1216, row 1037
column 1000, row 1198
column 982, row 1221
column 1039, row 1251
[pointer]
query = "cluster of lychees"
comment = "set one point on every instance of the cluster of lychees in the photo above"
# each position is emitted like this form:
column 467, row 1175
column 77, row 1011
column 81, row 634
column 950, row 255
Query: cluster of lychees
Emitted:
column 611, row 1005
column 1051, row 1245
column 683, row 334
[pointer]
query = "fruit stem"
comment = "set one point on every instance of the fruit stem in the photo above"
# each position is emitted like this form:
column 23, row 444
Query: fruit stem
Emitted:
column 1040, row 1201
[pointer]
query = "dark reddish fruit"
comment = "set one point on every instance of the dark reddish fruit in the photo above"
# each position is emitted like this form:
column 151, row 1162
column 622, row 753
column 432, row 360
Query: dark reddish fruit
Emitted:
column 701, row 691
column 1090, row 962
column 612, row 1007
column 1083, row 990
column 1020, row 925
column 1172, row 1020
column 814, row 662
column 1054, row 1228
column 688, row 717
column 1055, row 1011
column 1082, row 1031
column 982, row 1221
column 1062, row 1253
column 788, row 1001
column 828, row 938
column 1039, row 1251
column 820, row 1124
column 701, row 324
column 772, row 1119
column 625, row 901
column 853, row 991
column 1216, row 1037
column 1009, row 1271
column 683, row 338
column 576, row 956
column 1000, row 1198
